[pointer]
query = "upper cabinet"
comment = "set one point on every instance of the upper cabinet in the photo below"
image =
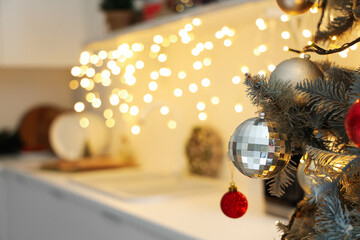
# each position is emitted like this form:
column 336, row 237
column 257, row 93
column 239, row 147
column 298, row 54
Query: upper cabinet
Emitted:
column 51, row 33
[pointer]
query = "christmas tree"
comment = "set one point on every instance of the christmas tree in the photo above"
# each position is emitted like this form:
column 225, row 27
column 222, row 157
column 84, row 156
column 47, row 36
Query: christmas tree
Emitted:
column 320, row 114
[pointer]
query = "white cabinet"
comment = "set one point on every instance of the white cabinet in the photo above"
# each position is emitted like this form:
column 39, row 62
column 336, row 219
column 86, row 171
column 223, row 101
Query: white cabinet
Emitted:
column 47, row 33
column 38, row 211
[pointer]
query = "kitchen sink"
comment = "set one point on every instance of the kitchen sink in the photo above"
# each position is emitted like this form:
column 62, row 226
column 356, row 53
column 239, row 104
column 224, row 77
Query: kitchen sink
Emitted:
column 142, row 186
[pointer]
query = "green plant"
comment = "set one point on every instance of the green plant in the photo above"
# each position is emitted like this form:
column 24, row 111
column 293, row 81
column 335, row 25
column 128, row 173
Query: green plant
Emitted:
column 107, row 5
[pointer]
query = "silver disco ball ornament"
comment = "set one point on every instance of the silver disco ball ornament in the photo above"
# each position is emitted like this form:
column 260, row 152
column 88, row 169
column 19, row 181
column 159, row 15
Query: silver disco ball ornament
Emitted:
column 259, row 148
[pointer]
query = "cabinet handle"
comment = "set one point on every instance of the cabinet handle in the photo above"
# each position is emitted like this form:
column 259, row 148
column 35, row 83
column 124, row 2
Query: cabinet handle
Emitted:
column 111, row 216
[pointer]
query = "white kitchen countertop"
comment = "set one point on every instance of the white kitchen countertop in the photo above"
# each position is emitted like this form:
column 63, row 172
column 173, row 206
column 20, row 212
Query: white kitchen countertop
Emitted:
column 195, row 216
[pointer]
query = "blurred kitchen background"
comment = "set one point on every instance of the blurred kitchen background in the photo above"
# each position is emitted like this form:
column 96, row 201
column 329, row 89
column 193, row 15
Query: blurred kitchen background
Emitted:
column 161, row 88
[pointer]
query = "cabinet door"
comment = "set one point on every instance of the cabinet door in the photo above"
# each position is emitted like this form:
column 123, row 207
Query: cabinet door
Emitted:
column 42, row 212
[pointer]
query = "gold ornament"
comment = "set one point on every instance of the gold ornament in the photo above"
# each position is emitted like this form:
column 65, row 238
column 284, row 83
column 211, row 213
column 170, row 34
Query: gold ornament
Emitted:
column 295, row 7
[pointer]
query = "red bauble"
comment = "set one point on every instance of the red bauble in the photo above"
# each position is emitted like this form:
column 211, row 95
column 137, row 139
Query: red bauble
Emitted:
column 234, row 204
column 352, row 123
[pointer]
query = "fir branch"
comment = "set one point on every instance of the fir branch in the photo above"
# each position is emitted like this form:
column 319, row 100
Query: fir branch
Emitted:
column 355, row 87
column 282, row 180
column 325, row 97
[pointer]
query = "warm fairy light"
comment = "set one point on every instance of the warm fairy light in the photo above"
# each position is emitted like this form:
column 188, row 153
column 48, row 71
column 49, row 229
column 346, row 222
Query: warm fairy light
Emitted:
column 162, row 57
column 131, row 80
column 154, row 75
column 90, row 72
column 158, row 39
column 102, row 55
column 171, row 124
column 208, row 45
column 116, row 71
column 200, row 47
column 302, row 55
column 333, row 38
column 183, row 33
column 197, row 65
column 84, row 122
column 182, row 75
column 207, row 62
column 76, row 71
column 164, row 110
column 123, row 94
column 148, row 98
column 79, row 106
column 173, row 38
column 285, row 35
column 236, row 80
column 135, row 130
column 114, row 99
column 129, row 54
column 111, row 64
column 94, row 59
column 256, row 52
column 165, row 72
column 91, row 85
column 310, row 43
column 227, row 42
column 201, row 106
column 110, row 123
column 314, row 10
column 354, row 47
column 105, row 74
column 262, row 73
column 153, row 86
column 185, row 39
column 85, row 57
column 286, row 48
column 130, row 68
column 134, row 110
column 215, row 100
column 195, row 52
column 262, row 48
column 306, row 33
column 124, row 108
column 260, row 23
column 137, row 47
column 193, row 88
column 129, row 98
column 202, row 116
column 155, row 48
column 178, row 92
column 244, row 69
column 96, row 103
column 196, row 21
column 205, row 82
column 188, row 27
column 83, row 69
column 106, row 82
column 73, row 84
column 271, row 67
column 219, row 34
column 108, row 113
column 238, row 108
column 85, row 82
column 165, row 43
column 90, row 97
column 284, row 18
column 343, row 54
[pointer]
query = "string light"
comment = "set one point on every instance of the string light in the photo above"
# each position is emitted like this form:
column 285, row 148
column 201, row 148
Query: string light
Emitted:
column 178, row 92
column 271, row 67
column 284, row 18
column 75, row 71
column 153, row 86
column 139, row 64
column 196, row 22
column 182, row 75
column 73, row 84
column 208, row 45
column 110, row 123
column 96, row 103
column 85, row 57
column 162, row 57
column 285, row 35
column 193, row 88
column 155, row 48
column 108, row 113
column 114, row 99
column 154, row 75
column 201, row 106
column 158, row 39
column 260, row 23
column 314, row 10
column 236, row 80
column 238, row 108
column 134, row 110
column 244, row 69
column 148, row 98
column 165, row 72
column 215, row 100
column 202, row 116
column 354, row 47
column 90, row 97
column 84, row 122
column 102, row 55
column 164, row 110
column 197, row 65
column 124, row 108
column 135, row 129
column 286, row 48
column 173, row 38
column 188, row 27
column 85, row 82
column 306, row 33
column 171, row 124
column 262, row 48
column 227, row 42
column 79, row 106
column 205, row 82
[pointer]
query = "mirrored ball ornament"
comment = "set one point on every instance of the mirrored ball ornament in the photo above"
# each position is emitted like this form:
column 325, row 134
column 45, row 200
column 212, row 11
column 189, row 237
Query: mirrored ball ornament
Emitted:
column 259, row 148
